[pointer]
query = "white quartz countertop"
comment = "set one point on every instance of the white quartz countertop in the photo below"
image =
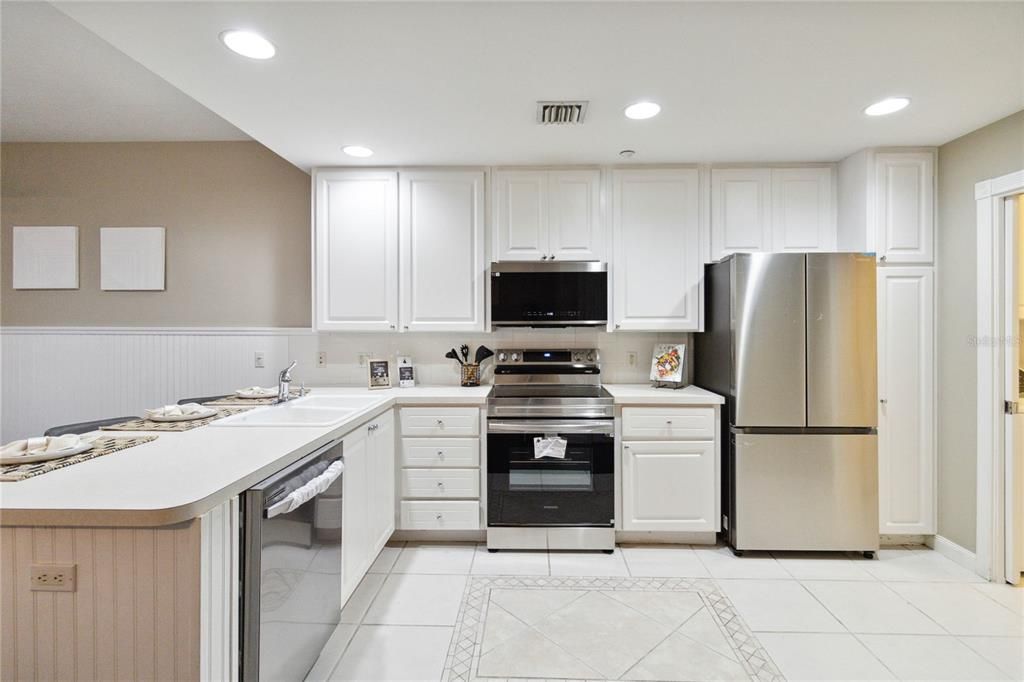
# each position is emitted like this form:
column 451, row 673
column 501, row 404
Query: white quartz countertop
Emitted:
column 182, row 475
column 645, row 394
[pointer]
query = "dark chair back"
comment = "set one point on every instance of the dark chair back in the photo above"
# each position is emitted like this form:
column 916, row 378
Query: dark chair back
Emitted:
column 202, row 400
column 85, row 427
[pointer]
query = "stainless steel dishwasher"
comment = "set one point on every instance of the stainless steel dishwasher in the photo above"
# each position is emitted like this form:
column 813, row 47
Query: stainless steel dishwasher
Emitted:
column 291, row 566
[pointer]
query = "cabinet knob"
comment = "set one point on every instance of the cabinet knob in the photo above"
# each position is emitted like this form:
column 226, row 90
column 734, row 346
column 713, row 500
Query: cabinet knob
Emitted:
column 544, row 257
column 618, row 326
column 439, row 517
column 440, row 484
column 392, row 326
column 669, row 422
column 883, row 401
column 440, row 454
column 440, row 422
column 882, row 259
column 552, row 256
column 406, row 327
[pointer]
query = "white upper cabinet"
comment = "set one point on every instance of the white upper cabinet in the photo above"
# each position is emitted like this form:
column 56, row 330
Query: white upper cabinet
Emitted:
column 772, row 209
column 803, row 212
column 547, row 214
column 906, row 416
column 658, row 250
column 356, row 241
column 442, row 250
column 904, row 206
column 740, row 211
column 887, row 205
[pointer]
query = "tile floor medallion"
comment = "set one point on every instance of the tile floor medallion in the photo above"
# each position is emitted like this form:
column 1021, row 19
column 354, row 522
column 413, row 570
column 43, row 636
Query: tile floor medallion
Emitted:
column 666, row 629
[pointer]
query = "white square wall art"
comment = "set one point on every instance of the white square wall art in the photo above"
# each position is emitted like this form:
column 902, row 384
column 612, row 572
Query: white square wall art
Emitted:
column 132, row 258
column 45, row 257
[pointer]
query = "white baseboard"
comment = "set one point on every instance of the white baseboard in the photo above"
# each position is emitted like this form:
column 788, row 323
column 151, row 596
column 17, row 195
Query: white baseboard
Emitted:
column 953, row 551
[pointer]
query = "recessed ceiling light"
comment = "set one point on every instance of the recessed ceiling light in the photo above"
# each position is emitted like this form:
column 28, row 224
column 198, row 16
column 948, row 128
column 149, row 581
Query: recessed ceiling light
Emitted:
column 642, row 110
column 357, row 151
column 248, row 44
column 889, row 105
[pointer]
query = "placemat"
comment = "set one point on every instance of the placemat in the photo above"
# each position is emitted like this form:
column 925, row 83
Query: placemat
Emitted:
column 251, row 402
column 150, row 425
column 103, row 445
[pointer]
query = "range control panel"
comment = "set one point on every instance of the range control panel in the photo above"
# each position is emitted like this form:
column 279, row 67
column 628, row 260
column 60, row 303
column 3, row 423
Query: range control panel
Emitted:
column 542, row 356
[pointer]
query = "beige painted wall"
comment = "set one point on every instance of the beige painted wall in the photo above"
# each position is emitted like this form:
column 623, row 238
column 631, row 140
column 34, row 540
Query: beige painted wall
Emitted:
column 237, row 218
column 989, row 152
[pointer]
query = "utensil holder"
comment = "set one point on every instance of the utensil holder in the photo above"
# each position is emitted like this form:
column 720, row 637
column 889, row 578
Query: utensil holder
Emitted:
column 470, row 375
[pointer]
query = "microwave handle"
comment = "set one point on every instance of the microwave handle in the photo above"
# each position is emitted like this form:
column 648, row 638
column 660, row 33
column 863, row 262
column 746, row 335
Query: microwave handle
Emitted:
column 542, row 426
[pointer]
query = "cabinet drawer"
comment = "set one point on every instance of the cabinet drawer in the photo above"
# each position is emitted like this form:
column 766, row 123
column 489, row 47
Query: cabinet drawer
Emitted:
column 440, row 421
column 440, row 483
column 676, row 423
column 438, row 515
column 440, row 452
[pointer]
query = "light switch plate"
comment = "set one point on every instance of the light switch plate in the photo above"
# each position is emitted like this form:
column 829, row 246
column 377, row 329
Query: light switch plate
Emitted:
column 53, row 577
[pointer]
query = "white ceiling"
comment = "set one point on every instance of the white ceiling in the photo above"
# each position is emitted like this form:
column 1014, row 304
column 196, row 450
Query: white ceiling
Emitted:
column 61, row 83
column 451, row 83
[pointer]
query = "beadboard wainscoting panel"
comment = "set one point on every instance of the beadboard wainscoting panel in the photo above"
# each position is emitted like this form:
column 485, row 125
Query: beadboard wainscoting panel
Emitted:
column 135, row 612
column 62, row 375
column 219, row 624
column 57, row 377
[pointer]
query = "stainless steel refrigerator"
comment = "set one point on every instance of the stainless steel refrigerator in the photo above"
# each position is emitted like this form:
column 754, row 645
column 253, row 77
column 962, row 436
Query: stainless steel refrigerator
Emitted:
column 790, row 341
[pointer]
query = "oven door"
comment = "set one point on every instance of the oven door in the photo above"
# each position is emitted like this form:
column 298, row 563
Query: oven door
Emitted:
column 523, row 490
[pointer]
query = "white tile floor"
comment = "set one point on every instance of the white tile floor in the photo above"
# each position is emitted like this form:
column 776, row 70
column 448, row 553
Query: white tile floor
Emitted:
column 911, row 614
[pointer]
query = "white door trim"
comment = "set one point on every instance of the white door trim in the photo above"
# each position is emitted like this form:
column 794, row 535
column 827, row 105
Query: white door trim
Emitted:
column 991, row 353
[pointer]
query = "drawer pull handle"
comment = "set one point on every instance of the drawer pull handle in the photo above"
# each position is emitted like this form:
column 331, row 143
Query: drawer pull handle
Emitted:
column 669, row 422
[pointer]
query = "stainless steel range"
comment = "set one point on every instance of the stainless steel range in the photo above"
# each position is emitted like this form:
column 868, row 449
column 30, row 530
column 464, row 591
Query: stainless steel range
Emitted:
column 550, row 452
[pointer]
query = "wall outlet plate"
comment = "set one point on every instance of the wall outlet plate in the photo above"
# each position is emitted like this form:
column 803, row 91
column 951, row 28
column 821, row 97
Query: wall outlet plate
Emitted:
column 631, row 358
column 53, row 577
column 259, row 360
column 321, row 359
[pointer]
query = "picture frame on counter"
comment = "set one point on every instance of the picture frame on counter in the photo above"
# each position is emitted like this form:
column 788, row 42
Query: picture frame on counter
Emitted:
column 378, row 374
column 668, row 365
column 406, row 372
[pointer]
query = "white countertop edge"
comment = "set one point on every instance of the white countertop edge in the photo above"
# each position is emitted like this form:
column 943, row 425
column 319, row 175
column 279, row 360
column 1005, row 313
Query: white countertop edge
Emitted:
column 645, row 394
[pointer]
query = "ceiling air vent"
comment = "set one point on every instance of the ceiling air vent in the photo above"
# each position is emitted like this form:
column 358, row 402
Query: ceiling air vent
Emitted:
column 561, row 113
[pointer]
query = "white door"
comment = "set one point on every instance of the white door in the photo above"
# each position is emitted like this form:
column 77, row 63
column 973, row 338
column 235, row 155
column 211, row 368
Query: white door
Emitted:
column 1013, row 445
column 574, row 215
column 905, row 206
column 382, row 481
column 441, row 217
column 657, row 253
column 668, row 486
column 906, row 418
column 740, row 211
column 520, row 215
column 356, row 261
column 803, row 213
column 355, row 539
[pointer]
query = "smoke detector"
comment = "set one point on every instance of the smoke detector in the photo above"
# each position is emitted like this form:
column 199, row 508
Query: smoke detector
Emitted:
column 561, row 113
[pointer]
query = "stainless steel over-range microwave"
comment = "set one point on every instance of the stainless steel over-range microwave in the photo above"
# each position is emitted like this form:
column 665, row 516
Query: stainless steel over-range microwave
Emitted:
column 549, row 294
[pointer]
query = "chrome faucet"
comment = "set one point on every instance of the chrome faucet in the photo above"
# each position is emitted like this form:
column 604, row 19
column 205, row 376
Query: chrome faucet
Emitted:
column 284, row 383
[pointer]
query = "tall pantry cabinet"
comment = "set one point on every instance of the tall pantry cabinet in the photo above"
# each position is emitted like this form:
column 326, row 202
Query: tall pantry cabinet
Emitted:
column 887, row 206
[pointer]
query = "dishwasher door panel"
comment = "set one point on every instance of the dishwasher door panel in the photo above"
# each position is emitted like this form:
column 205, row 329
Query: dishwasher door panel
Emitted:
column 806, row 491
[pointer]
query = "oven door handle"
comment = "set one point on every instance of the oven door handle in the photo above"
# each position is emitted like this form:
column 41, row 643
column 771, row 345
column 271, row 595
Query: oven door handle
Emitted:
column 541, row 426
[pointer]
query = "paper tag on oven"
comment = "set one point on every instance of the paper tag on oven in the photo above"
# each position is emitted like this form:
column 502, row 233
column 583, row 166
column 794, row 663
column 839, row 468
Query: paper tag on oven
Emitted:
column 549, row 446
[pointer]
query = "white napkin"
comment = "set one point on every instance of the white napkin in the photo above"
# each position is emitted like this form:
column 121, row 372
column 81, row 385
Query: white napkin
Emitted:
column 549, row 446
column 42, row 445
column 178, row 410
column 256, row 392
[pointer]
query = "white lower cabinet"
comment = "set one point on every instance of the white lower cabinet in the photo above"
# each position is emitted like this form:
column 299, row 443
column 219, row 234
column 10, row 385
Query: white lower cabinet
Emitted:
column 906, row 416
column 368, row 505
column 670, row 471
column 440, row 476
column 669, row 486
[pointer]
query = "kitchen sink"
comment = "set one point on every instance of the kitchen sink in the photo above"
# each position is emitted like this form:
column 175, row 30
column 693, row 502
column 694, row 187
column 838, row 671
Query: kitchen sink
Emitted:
column 312, row 410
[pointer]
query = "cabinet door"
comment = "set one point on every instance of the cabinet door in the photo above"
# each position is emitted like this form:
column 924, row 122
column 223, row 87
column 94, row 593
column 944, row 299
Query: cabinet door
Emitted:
column 356, row 233
column 657, row 269
column 574, row 215
column 740, row 211
column 803, row 214
column 442, row 250
column 382, row 481
column 520, row 215
column 904, row 206
column 355, row 539
column 906, row 420
column 669, row 486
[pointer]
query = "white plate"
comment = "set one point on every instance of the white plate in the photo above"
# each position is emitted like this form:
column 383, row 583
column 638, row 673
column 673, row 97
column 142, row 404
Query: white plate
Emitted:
column 183, row 417
column 265, row 393
column 29, row 458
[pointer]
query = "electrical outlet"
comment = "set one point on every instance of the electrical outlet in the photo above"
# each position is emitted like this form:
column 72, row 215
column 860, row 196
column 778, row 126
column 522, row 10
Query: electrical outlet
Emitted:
column 52, row 577
column 321, row 359
column 631, row 358
column 364, row 358
column 258, row 360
